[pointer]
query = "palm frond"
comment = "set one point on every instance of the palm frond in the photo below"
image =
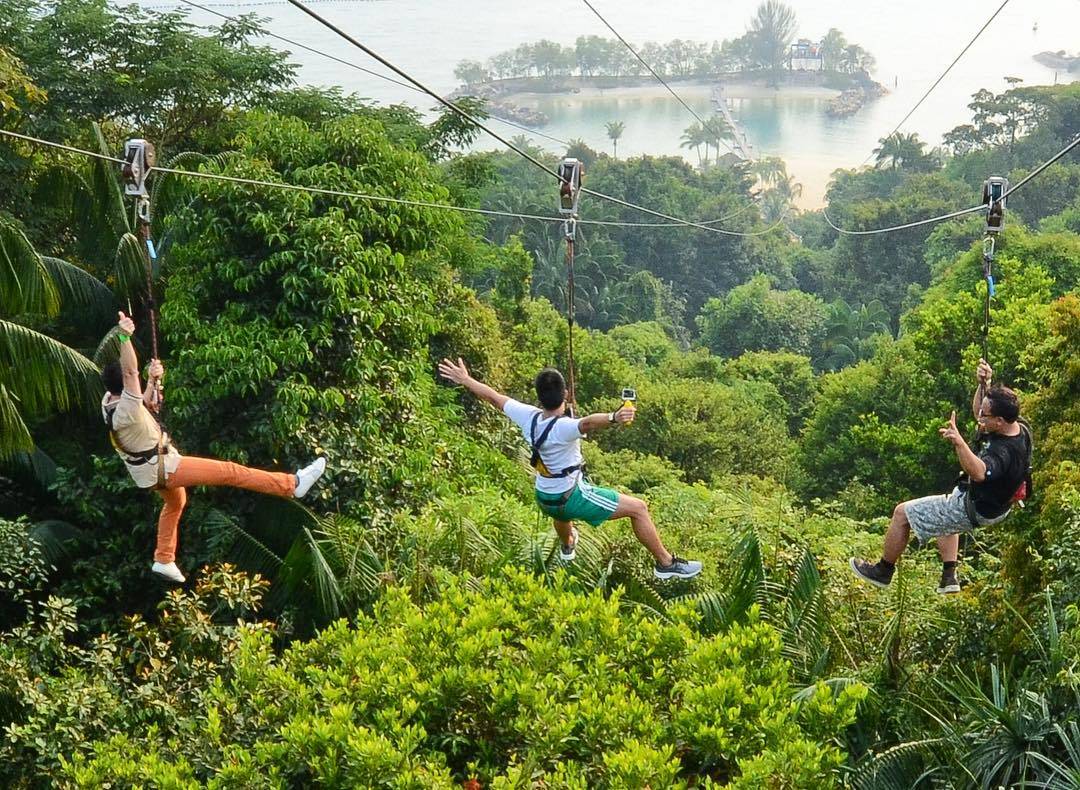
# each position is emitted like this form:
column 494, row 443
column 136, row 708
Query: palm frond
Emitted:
column 167, row 188
column 129, row 267
column 803, row 620
column 43, row 374
column 35, row 466
column 25, row 284
column 108, row 195
column 58, row 540
column 81, row 290
column 356, row 565
column 108, row 349
column 903, row 767
column 15, row 438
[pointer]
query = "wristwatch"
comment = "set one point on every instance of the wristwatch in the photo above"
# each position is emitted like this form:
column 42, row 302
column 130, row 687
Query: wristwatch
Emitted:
column 611, row 417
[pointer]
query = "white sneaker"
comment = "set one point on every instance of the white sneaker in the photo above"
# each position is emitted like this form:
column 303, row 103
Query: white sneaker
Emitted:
column 168, row 571
column 306, row 477
column 569, row 553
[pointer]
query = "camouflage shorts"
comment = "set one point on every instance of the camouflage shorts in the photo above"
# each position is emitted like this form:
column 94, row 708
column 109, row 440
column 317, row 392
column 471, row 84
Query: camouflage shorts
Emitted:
column 940, row 515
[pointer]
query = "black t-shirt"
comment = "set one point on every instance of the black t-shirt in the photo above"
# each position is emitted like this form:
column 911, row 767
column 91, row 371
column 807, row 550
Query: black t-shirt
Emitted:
column 1006, row 459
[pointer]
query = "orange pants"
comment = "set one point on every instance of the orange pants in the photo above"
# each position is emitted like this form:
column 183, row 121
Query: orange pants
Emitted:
column 194, row 471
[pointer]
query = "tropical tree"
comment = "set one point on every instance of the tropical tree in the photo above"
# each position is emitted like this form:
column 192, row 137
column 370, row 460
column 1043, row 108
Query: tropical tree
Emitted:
column 771, row 30
column 901, row 151
column 694, row 137
column 471, row 72
column 779, row 199
column 15, row 86
column 614, row 132
column 832, row 49
column 854, row 58
column 717, row 132
column 851, row 334
column 770, row 170
column 38, row 374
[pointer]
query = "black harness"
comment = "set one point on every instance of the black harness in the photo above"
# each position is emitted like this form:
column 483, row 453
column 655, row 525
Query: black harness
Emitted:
column 536, row 462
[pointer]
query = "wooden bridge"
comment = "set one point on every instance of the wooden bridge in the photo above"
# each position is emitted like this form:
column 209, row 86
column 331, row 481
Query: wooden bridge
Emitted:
column 742, row 142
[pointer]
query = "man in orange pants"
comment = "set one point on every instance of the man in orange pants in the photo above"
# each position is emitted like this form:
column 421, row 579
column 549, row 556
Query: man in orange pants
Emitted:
column 154, row 463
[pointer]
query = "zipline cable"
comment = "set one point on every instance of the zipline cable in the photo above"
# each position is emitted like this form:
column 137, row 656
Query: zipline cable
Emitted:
column 361, row 195
column 652, row 71
column 916, row 224
column 943, row 75
column 953, row 215
column 1040, row 168
column 342, row 61
column 399, row 83
column 454, row 108
column 350, row 64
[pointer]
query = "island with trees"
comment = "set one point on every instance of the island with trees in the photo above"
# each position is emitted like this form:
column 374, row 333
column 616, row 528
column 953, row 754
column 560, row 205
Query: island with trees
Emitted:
column 767, row 54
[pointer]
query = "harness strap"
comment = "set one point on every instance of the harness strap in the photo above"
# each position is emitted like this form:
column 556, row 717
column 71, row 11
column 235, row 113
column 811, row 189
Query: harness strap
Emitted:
column 139, row 457
column 536, row 461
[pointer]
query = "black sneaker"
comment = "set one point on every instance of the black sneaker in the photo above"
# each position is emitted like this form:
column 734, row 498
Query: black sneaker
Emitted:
column 678, row 569
column 569, row 553
column 949, row 583
column 873, row 573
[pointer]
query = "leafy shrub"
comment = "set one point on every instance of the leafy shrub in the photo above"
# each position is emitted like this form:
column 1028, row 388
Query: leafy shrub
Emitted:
column 492, row 681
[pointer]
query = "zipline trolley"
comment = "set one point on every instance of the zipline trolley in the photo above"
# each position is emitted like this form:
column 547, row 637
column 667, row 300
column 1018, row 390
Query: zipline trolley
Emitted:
column 994, row 189
column 139, row 158
column 570, row 172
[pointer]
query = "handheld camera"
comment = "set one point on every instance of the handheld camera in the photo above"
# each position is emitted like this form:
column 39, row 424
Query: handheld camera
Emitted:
column 629, row 398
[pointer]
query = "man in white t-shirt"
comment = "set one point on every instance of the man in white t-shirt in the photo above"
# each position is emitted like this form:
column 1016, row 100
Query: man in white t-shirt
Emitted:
column 562, row 491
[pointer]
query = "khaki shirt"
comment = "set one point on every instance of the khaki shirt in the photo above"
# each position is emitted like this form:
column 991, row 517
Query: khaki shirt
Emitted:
column 137, row 430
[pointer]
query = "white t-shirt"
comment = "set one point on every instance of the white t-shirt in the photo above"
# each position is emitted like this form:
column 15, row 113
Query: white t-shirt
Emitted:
column 561, row 449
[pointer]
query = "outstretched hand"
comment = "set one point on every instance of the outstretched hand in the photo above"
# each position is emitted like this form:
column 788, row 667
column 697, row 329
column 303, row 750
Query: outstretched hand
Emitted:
column 950, row 432
column 454, row 371
column 984, row 373
column 125, row 324
column 625, row 414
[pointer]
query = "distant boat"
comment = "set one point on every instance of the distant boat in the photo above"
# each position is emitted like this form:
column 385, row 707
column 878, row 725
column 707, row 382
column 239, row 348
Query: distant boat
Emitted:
column 1035, row 28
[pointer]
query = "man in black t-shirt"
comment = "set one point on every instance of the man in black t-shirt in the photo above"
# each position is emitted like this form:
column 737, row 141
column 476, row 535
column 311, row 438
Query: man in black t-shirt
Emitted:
column 993, row 471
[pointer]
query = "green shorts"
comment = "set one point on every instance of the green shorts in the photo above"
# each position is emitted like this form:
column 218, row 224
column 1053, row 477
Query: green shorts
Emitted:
column 588, row 503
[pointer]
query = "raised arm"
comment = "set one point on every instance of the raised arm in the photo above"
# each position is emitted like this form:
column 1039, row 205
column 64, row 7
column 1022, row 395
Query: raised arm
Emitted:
column 983, row 374
column 129, row 363
column 974, row 466
column 606, row 419
column 459, row 374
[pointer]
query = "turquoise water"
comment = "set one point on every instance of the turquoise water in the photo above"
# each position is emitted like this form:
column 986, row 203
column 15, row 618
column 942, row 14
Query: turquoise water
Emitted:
column 912, row 41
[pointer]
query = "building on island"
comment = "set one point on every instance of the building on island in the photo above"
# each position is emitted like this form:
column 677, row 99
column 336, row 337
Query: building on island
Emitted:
column 805, row 55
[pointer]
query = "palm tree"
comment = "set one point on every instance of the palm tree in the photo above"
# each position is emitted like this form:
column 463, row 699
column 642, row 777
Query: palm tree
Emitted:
column 832, row 49
column 779, row 200
column 694, row 137
column 38, row 374
column 614, row 132
column 851, row 334
column 717, row 131
column 901, row 151
column 770, row 170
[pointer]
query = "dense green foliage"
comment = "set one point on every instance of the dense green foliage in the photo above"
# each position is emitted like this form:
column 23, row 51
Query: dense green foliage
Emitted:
column 412, row 625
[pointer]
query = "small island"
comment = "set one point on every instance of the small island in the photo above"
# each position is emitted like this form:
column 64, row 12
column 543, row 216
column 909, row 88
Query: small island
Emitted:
column 766, row 56
column 1059, row 60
